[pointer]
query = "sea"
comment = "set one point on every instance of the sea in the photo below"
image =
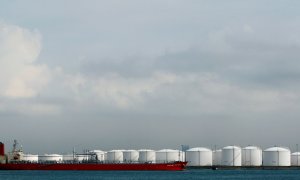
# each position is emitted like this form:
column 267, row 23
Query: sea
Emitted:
column 206, row 174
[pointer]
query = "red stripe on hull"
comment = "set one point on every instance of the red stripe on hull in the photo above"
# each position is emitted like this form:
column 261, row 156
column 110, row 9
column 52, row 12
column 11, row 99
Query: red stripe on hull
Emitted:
column 97, row 167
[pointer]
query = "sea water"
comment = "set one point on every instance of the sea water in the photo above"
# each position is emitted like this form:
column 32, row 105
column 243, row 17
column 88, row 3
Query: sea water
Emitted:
column 155, row 175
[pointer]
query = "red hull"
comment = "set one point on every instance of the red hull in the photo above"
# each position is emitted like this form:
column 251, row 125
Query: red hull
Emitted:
column 177, row 166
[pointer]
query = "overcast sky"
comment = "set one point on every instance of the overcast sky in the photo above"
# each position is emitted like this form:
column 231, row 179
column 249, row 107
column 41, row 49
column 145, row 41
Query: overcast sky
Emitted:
column 154, row 74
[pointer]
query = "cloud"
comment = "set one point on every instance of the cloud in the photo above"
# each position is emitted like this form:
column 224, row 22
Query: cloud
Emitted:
column 28, row 108
column 21, row 77
column 114, row 90
column 199, row 67
column 231, row 71
column 179, row 93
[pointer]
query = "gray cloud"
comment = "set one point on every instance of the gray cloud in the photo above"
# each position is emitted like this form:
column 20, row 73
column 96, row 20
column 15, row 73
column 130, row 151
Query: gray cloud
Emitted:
column 151, row 74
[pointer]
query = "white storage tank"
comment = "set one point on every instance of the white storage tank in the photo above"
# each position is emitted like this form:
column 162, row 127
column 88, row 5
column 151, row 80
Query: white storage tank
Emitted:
column 68, row 157
column 130, row 156
column 115, row 156
column 82, row 157
column 50, row 158
column 199, row 156
column 182, row 157
column 77, row 157
column 168, row 155
column 251, row 156
column 146, row 155
column 231, row 156
column 277, row 156
column 217, row 157
column 105, row 156
column 295, row 159
column 30, row 157
column 97, row 155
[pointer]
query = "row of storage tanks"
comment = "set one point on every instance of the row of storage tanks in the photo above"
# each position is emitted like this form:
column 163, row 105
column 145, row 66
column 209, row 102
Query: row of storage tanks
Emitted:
column 237, row 156
column 199, row 156
column 113, row 156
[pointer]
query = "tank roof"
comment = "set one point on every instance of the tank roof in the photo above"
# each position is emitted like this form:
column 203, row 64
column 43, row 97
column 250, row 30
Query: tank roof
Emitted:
column 96, row 151
column 231, row 147
column 168, row 150
column 130, row 150
column 277, row 149
column 145, row 150
column 252, row 147
column 199, row 149
column 116, row 150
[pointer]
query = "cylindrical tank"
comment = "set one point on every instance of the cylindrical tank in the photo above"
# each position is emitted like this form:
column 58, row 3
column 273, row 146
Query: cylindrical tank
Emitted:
column 217, row 157
column 115, row 156
column 199, row 156
column 30, row 157
column 130, row 156
column 146, row 155
column 50, row 158
column 295, row 159
column 182, row 157
column 251, row 156
column 82, row 157
column 168, row 155
column 98, row 155
column 231, row 156
column 68, row 157
column 105, row 156
column 277, row 156
column 2, row 153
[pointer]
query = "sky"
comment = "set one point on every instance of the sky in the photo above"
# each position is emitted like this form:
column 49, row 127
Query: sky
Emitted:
column 153, row 74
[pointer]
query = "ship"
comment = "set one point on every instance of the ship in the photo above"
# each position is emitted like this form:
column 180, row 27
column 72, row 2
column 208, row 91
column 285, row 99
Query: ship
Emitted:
column 175, row 166
column 14, row 161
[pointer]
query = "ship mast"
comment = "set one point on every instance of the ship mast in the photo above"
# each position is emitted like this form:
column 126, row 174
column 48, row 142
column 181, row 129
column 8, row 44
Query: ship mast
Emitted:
column 15, row 146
